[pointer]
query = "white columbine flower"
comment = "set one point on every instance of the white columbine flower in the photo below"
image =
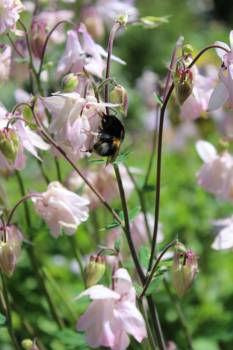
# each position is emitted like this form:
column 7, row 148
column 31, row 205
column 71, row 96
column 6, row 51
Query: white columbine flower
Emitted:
column 9, row 14
column 61, row 208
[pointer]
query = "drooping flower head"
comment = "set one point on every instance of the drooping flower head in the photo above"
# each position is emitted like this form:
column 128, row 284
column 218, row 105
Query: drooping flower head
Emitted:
column 61, row 209
column 14, row 139
column 223, row 92
column 10, row 246
column 216, row 175
column 112, row 315
column 9, row 14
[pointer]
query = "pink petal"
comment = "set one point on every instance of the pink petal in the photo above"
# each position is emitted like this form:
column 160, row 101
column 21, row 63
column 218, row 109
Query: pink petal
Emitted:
column 221, row 53
column 206, row 151
column 99, row 292
column 218, row 98
column 224, row 239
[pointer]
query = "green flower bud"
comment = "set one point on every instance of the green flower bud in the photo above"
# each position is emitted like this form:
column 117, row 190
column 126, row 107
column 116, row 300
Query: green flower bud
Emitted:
column 7, row 259
column 9, row 144
column 94, row 270
column 70, row 82
column 28, row 344
column 183, row 85
column 119, row 96
column 187, row 50
column 185, row 269
column 122, row 19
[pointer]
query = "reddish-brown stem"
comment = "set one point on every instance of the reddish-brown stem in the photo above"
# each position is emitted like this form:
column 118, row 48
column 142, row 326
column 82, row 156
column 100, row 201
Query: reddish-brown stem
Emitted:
column 159, row 152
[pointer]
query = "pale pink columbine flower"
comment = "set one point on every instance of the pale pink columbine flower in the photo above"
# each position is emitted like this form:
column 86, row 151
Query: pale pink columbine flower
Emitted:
column 82, row 52
column 9, row 14
column 223, row 92
column 51, row 18
column 216, row 175
column 197, row 103
column 15, row 139
column 112, row 315
column 75, row 121
column 5, row 63
column 61, row 208
column 104, row 181
column 111, row 9
column 224, row 239
column 10, row 246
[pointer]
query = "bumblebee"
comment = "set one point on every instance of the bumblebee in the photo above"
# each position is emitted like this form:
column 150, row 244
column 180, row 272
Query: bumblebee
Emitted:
column 110, row 137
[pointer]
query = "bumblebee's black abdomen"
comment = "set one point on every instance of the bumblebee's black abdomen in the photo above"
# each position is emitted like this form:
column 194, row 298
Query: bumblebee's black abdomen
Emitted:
column 111, row 125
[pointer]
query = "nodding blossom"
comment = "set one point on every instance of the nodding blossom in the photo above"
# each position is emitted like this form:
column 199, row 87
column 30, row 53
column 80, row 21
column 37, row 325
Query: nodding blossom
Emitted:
column 10, row 246
column 75, row 121
column 223, row 92
column 5, row 62
column 15, row 138
column 61, row 209
column 82, row 52
column 9, row 14
column 224, row 238
column 112, row 315
column 216, row 175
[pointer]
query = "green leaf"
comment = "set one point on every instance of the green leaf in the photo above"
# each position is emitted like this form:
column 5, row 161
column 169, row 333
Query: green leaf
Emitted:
column 132, row 215
column 122, row 156
column 117, row 244
column 155, row 283
column 138, row 288
column 149, row 188
column 154, row 22
column 2, row 320
column 72, row 340
column 144, row 256
column 158, row 99
column 97, row 161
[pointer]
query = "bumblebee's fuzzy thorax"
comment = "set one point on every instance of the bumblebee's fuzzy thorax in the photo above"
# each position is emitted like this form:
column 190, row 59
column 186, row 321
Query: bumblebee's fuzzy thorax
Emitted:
column 110, row 137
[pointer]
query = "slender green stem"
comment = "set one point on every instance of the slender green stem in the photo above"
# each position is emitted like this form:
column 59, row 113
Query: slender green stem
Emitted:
column 142, row 202
column 149, row 332
column 115, row 28
column 43, row 173
column 180, row 314
column 150, row 277
column 77, row 256
column 127, row 224
column 58, row 169
column 9, row 313
column 156, row 323
column 33, row 258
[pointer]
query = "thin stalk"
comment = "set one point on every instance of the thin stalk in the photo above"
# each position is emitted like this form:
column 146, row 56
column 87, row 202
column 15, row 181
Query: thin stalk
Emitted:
column 149, row 332
column 59, row 292
column 77, row 256
column 58, row 169
column 33, row 258
column 14, row 46
column 150, row 277
column 31, row 63
column 141, row 201
column 115, row 28
column 46, row 44
column 159, row 153
column 127, row 224
column 9, row 313
column 43, row 173
column 180, row 314
column 25, row 203
column 156, row 323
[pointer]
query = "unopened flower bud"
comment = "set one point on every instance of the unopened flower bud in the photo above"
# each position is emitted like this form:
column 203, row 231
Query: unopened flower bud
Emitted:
column 9, row 144
column 180, row 248
column 119, row 96
column 10, row 245
column 38, row 36
column 183, row 84
column 122, row 19
column 187, row 50
column 28, row 344
column 185, row 268
column 70, row 82
column 94, row 270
